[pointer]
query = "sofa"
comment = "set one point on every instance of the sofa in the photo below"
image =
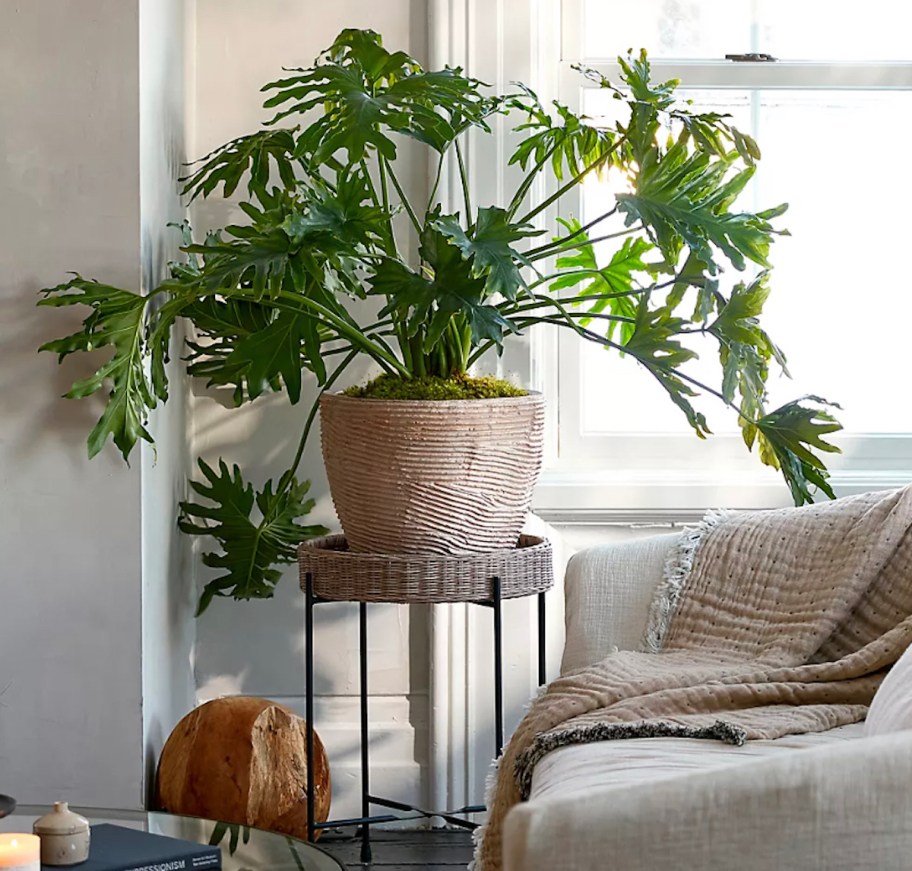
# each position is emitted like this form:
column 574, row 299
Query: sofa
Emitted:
column 839, row 800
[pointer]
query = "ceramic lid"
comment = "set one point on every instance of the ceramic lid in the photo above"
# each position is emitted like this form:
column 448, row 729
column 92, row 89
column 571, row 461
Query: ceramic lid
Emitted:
column 60, row 821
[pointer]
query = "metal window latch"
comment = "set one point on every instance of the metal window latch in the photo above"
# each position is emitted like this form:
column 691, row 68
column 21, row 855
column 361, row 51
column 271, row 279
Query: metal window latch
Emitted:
column 751, row 57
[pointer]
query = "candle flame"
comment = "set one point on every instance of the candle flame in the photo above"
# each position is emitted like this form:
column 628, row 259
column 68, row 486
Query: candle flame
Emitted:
column 14, row 843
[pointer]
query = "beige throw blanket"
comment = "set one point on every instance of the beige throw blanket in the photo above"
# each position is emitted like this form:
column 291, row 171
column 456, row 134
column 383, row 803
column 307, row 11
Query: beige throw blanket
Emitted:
column 771, row 623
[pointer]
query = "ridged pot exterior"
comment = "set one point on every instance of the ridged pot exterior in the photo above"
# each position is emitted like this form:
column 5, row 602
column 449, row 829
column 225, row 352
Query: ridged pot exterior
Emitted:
column 443, row 477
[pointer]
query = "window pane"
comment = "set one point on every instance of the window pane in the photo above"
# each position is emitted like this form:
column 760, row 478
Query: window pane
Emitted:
column 788, row 30
column 841, row 304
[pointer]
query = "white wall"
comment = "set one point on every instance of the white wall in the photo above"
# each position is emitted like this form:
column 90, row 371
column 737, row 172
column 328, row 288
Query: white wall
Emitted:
column 257, row 647
column 70, row 717
column 168, row 594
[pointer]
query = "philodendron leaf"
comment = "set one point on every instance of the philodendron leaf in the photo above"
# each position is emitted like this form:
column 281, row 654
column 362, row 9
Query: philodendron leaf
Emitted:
column 683, row 198
column 253, row 544
column 117, row 321
column 786, row 438
column 488, row 247
column 613, row 287
column 277, row 351
column 365, row 93
column 745, row 351
column 738, row 319
column 222, row 324
column 253, row 154
column 569, row 143
column 654, row 343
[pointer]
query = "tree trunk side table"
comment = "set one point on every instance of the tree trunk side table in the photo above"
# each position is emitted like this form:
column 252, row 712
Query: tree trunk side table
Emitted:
column 331, row 573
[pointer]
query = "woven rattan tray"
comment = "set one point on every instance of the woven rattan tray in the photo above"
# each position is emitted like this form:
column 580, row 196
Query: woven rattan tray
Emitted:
column 343, row 575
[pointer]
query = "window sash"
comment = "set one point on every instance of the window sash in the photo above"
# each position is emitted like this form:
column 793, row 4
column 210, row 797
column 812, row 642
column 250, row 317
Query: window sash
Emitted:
column 593, row 473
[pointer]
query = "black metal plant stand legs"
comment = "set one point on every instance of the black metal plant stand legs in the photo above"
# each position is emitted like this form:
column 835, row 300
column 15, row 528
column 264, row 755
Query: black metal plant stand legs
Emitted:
column 365, row 820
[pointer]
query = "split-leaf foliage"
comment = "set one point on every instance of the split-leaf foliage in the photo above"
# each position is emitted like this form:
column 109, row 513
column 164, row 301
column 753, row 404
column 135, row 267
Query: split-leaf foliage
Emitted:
column 278, row 300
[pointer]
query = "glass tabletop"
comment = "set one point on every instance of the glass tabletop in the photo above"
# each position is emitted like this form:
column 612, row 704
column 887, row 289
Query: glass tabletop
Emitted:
column 245, row 848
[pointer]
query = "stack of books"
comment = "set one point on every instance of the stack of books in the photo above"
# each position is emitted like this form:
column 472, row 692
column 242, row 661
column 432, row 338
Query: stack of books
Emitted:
column 115, row 848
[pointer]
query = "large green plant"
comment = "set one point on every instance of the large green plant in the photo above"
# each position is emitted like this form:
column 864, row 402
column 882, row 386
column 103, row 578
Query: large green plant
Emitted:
column 282, row 293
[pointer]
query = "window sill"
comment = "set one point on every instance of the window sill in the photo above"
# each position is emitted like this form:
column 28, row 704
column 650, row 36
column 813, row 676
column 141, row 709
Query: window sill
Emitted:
column 643, row 496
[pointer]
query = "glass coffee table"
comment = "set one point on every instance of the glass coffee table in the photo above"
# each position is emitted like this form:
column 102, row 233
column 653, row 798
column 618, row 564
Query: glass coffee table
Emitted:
column 245, row 848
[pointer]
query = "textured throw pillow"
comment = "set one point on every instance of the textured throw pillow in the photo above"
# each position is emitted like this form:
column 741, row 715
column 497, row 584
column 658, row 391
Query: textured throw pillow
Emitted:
column 891, row 708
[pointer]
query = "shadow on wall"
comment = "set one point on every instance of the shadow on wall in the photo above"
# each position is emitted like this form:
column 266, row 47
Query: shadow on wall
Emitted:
column 31, row 384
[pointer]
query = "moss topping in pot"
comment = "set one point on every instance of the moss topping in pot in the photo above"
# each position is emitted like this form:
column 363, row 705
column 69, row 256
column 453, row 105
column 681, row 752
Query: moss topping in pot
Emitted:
column 434, row 388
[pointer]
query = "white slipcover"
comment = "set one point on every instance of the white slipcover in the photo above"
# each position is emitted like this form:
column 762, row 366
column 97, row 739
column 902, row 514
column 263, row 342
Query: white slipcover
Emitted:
column 832, row 801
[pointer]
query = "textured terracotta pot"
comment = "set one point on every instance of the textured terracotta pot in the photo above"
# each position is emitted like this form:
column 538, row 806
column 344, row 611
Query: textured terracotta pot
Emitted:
column 443, row 477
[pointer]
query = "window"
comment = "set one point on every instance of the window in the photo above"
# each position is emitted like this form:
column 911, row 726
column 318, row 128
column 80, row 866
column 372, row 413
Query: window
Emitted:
column 832, row 116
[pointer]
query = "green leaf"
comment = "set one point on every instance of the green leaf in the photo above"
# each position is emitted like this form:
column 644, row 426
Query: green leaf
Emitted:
column 745, row 350
column 654, row 337
column 571, row 146
column 259, row 260
column 428, row 304
column 787, row 437
column 117, row 321
column 617, row 277
column 309, row 243
column 276, row 351
column 365, row 93
column 647, row 101
column 654, row 344
column 252, row 547
column 488, row 246
column 682, row 199
column 225, row 325
column 339, row 218
column 253, row 154
column 693, row 275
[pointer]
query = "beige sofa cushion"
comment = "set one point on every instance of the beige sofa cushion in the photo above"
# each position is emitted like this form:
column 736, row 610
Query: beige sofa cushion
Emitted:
column 581, row 768
column 842, row 806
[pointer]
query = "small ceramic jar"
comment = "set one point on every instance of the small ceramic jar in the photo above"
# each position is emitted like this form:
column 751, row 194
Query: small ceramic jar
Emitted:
column 64, row 836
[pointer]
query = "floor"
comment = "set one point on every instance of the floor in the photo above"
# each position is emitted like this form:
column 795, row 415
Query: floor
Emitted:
column 435, row 850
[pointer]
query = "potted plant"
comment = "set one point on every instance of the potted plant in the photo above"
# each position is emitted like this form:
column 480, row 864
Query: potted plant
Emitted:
column 288, row 292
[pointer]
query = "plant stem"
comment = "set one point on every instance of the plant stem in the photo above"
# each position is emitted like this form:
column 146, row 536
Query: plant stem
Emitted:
column 695, row 282
column 463, row 178
column 404, row 200
column 418, row 364
column 652, row 365
column 404, row 347
column 583, row 273
column 384, row 192
column 370, row 183
column 294, row 302
column 527, row 182
column 439, row 173
column 587, row 243
column 573, row 182
column 563, row 240
column 390, row 238
column 285, row 482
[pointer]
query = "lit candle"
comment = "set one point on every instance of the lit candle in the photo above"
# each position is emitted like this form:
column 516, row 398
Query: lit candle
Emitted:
column 20, row 852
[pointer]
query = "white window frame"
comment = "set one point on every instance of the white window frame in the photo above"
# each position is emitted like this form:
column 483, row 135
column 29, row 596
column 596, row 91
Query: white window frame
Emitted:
column 661, row 476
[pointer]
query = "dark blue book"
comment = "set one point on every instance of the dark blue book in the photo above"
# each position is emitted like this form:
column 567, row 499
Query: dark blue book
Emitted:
column 116, row 848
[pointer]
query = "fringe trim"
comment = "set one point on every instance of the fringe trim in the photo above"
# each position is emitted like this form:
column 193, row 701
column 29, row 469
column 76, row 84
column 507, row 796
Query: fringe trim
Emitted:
column 675, row 576
column 479, row 833
column 544, row 744
column 491, row 782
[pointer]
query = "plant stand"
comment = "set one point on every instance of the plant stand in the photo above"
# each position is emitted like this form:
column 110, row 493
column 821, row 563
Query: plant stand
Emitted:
column 331, row 573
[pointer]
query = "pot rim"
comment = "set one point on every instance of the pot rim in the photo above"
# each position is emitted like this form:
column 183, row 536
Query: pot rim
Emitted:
column 532, row 396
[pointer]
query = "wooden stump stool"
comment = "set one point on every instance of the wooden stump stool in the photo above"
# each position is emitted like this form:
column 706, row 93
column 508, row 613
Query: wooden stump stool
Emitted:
column 242, row 759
